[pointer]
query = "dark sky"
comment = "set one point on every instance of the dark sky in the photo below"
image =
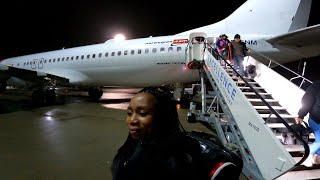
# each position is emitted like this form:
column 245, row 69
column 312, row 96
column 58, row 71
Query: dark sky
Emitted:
column 34, row 26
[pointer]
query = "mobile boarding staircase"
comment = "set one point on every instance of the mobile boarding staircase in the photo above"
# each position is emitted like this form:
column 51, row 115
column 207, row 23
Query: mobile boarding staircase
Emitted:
column 249, row 118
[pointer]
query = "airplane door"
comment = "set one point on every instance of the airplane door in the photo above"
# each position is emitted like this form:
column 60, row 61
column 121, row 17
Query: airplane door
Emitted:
column 34, row 64
column 40, row 63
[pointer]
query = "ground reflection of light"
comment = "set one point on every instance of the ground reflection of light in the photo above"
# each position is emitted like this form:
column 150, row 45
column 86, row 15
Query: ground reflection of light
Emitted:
column 122, row 106
column 49, row 118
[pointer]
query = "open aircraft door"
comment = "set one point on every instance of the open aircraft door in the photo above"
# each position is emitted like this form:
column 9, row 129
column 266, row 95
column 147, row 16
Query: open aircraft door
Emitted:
column 195, row 52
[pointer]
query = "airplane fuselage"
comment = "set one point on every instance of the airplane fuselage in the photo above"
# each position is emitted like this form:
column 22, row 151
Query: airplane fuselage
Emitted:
column 140, row 62
column 135, row 63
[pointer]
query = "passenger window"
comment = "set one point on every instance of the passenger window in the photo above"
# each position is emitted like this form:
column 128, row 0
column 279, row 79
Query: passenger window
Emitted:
column 45, row 61
column 93, row 55
column 62, row 59
column 82, row 57
column 112, row 54
column 24, row 63
column 100, row 54
column 67, row 59
column 106, row 55
column 139, row 51
column 154, row 50
column 119, row 53
column 77, row 57
column 170, row 49
column 54, row 60
column 132, row 52
column 178, row 49
column 88, row 56
column 49, row 60
column 162, row 49
column 18, row 64
column 146, row 51
column 125, row 52
column 57, row 60
column 71, row 57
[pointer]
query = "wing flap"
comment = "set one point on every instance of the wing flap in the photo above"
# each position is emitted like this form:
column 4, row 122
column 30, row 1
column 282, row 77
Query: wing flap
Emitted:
column 304, row 41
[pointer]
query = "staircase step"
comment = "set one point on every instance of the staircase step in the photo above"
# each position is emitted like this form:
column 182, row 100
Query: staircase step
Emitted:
column 251, row 82
column 294, row 148
column 259, row 100
column 277, row 125
column 274, row 116
column 252, row 93
column 303, row 174
column 246, row 87
column 311, row 136
column 266, row 107
column 297, row 159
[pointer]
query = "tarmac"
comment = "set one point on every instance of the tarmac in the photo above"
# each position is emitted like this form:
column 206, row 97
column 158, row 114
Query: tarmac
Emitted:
column 74, row 140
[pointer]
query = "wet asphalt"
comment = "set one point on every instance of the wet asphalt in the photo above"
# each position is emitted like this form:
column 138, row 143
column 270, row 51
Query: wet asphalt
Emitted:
column 76, row 139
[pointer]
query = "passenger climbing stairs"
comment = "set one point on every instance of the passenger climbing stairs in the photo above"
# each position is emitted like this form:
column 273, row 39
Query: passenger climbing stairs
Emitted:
column 249, row 119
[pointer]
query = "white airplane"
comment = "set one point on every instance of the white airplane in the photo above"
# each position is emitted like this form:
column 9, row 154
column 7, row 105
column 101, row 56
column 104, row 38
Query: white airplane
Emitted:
column 274, row 28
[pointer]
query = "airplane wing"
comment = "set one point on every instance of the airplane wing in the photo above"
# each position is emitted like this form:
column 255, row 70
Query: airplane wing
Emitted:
column 304, row 43
column 29, row 75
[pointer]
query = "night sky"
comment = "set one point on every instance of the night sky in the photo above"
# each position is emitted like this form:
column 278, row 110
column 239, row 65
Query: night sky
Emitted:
column 35, row 26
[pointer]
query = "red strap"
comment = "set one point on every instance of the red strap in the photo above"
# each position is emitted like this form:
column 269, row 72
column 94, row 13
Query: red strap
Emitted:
column 215, row 168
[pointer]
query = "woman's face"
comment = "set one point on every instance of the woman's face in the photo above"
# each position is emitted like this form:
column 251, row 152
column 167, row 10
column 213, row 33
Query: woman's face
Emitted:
column 140, row 115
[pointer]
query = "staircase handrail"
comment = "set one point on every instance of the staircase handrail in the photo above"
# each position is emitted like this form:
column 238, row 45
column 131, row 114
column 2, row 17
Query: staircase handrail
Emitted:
column 294, row 133
column 284, row 67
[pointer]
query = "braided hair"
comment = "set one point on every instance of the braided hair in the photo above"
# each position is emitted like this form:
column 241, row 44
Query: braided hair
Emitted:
column 166, row 116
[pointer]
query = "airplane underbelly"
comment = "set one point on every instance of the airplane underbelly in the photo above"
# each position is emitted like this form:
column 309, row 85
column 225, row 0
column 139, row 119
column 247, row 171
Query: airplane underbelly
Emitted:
column 140, row 76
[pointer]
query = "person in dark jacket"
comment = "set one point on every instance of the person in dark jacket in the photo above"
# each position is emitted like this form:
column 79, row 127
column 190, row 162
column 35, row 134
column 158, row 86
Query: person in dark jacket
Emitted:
column 311, row 104
column 156, row 147
column 239, row 51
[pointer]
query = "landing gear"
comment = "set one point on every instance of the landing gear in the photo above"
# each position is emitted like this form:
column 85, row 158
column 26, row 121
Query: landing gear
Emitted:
column 95, row 93
column 3, row 86
column 43, row 97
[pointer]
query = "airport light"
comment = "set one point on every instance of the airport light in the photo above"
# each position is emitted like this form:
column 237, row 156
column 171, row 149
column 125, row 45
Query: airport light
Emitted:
column 119, row 37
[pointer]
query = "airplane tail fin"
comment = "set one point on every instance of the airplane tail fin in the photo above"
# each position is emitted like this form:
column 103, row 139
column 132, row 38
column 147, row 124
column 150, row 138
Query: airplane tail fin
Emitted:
column 267, row 17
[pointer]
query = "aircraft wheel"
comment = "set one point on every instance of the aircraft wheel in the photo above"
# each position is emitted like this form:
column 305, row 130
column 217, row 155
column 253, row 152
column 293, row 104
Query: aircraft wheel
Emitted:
column 95, row 93
column 3, row 86
column 50, row 97
column 191, row 118
column 38, row 97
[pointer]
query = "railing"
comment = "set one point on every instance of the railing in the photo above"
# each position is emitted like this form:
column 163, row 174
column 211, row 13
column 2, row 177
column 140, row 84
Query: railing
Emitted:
column 305, row 145
column 295, row 73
